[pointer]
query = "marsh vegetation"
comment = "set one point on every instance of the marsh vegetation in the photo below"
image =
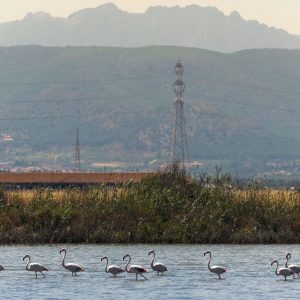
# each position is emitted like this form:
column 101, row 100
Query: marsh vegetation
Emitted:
column 161, row 209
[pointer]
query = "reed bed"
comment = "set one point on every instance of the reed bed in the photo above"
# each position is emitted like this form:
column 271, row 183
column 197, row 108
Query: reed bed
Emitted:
column 161, row 209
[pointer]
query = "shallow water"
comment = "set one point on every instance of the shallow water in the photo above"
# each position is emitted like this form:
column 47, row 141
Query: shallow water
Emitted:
column 250, row 275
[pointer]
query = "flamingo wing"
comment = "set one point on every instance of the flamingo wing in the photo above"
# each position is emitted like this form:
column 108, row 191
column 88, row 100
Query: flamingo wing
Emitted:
column 285, row 272
column 159, row 267
column 36, row 267
column 218, row 269
column 294, row 268
column 138, row 269
column 115, row 269
column 73, row 268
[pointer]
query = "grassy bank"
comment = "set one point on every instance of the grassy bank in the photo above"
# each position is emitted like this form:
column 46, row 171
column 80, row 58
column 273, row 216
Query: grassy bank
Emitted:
column 161, row 209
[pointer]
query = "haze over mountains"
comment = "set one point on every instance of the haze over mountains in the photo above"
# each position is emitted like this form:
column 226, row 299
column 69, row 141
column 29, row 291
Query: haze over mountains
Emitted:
column 106, row 25
column 242, row 109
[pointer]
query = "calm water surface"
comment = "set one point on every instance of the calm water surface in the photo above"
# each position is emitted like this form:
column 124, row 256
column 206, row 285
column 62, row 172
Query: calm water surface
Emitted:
column 250, row 275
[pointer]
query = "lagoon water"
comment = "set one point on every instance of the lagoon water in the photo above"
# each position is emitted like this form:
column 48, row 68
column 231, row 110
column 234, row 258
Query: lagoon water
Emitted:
column 250, row 275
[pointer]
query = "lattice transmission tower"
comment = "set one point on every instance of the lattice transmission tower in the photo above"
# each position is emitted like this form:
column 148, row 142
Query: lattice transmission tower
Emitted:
column 77, row 152
column 179, row 155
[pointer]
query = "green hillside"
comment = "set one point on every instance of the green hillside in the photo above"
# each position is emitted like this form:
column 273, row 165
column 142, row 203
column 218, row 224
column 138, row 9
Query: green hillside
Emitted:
column 242, row 109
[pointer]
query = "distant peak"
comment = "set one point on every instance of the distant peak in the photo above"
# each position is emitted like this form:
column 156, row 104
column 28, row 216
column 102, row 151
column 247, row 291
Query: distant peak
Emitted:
column 188, row 8
column 108, row 6
column 235, row 14
column 104, row 8
column 38, row 15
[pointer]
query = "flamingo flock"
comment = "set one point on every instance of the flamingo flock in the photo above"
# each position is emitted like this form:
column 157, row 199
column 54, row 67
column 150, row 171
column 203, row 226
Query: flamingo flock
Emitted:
column 286, row 271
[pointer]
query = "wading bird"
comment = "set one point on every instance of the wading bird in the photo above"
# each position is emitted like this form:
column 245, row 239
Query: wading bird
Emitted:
column 282, row 271
column 34, row 267
column 70, row 267
column 115, row 270
column 157, row 267
column 137, row 270
column 294, row 268
column 214, row 269
column 1, row 268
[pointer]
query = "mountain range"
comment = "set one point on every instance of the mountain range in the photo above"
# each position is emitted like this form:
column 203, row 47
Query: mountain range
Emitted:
column 106, row 25
column 242, row 109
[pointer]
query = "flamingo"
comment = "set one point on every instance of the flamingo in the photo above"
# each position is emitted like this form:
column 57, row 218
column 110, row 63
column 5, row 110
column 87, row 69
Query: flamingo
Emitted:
column 115, row 270
column 294, row 268
column 1, row 268
column 71, row 267
column 35, row 267
column 158, row 267
column 214, row 269
column 138, row 270
column 282, row 271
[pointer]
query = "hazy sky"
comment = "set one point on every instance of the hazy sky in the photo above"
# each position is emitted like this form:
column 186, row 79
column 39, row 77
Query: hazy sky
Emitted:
column 279, row 13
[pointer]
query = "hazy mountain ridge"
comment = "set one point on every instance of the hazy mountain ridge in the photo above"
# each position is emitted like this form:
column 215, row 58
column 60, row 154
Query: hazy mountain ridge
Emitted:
column 106, row 25
column 242, row 109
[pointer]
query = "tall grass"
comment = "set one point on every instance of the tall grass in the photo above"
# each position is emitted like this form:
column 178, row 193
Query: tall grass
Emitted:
column 161, row 209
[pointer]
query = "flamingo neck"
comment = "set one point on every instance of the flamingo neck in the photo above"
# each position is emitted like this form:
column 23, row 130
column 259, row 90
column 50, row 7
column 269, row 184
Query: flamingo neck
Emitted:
column 276, row 273
column 106, row 265
column 28, row 262
column 152, row 262
column 63, row 261
column 208, row 265
column 286, row 264
column 126, row 268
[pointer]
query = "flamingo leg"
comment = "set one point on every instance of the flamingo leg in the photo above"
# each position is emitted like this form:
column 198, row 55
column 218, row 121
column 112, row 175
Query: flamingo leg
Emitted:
column 143, row 276
column 43, row 274
column 219, row 276
column 136, row 276
column 284, row 277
